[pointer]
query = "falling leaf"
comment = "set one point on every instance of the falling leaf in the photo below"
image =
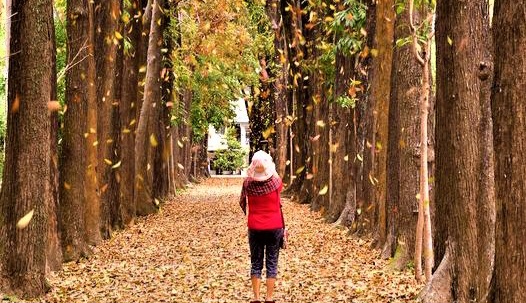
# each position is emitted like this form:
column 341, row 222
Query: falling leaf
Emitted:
column 179, row 143
column 180, row 166
column 324, row 190
column 53, row 106
column 16, row 104
column 67, row 185
column 117, row 165
column 359, row 157
column 153, row 140
column 266, row 133
column 299, row 170
column 108, row 161
column 118, row 35
column 449, row 40
column 346, row 158
column 320, row 123
column 24, row 221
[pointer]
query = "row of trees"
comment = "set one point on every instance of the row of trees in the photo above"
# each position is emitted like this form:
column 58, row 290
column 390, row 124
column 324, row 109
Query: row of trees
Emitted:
column 142, row 81
column 349, row 104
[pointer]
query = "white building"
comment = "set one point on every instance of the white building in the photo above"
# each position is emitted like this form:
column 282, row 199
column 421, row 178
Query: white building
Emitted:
column 217, row 138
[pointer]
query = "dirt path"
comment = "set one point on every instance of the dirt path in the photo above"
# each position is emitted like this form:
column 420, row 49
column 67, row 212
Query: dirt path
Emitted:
column 195, row 250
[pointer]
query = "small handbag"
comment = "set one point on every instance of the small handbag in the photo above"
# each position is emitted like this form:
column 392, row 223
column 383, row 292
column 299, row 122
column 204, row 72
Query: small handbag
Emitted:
column 284, row 237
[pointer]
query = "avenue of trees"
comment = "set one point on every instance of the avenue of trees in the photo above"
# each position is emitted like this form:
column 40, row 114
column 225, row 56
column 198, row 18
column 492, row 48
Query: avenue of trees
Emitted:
column 376, row 113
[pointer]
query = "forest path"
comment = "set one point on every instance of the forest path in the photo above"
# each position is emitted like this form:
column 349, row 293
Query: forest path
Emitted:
column 195, row 250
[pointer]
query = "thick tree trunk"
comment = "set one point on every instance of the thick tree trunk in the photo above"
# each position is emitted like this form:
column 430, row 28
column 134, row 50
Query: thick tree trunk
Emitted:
column 26, row 187
column 147, row 138
column 107, row 16
column 373, row 207
column 74, row 147
column 509, row 33
column 343, row 147
column 464, row 176
column 128, row 108
column 273, row 9
column 93, row 202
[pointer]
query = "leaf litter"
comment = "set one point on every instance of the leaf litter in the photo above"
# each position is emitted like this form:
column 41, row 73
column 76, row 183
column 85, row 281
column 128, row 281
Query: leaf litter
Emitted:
column 196, row 250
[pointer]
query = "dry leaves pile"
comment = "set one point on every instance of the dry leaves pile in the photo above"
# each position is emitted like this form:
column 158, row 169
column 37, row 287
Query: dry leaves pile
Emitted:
column 195, row 250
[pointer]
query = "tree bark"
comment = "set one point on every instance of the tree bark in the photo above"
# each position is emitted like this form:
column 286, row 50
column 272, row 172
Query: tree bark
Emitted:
column 128, row 109
column 509, row 84
column 27, row 159
column 147, row 136
column 403, row 152
column 107, row 16
column 74, row 147
column 464, row 175
column 280, row 83
column 93, row 202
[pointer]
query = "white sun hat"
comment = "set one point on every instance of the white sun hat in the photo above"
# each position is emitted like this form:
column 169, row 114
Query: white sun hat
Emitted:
column 262, row 167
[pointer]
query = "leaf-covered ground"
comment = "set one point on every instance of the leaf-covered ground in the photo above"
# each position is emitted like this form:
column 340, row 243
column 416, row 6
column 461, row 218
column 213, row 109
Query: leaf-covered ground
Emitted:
column 195, row 250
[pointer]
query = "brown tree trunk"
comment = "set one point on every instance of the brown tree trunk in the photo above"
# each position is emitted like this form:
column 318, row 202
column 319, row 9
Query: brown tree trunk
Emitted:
column 464, row 175
column 27, row 161
column 128, row 106
column 343, row 147
column 107, row 16
column 273, row 9
column 74, row 147
column 403, row 148
column 54, row 250
column 373, row 208
column 147, row 137
column 93, row 202
column 509, row 34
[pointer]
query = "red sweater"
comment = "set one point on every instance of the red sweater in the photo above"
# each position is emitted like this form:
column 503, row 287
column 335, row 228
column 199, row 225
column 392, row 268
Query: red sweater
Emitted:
column 264, row 212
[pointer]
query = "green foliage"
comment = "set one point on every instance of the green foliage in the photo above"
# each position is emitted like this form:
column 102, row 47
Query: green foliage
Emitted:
column 215, row 59
column 349, row 25
column 61, row 40
column 233, row 157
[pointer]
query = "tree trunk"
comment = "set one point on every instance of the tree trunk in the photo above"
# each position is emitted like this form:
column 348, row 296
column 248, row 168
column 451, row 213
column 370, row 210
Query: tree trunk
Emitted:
column 280, row 84
column 27, row 159
column 403, row 152
column 93, row 202
column 54, row 250
column 147, row 137
column 509, row 33
column 107, row 16
column 373, row 208
column 74, row 147
column 464, row 175
column 128, row 108
column 343, row 147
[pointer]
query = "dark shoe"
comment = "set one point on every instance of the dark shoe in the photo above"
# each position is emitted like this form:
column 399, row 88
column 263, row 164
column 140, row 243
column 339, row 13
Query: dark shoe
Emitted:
column 255, row 301
column 270, row 301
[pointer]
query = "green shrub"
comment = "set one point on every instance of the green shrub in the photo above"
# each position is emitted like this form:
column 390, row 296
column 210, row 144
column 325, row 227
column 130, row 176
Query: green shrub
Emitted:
column 233, row 157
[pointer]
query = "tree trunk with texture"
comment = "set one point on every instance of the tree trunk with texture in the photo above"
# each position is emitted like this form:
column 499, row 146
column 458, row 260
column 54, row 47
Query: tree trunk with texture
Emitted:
column 107, row 16
column 509, row 34
column 464, row 175
column 74, row 144
column 93, row 202
column 26, row 187
column 147, row 137
column 403, row 149
column 128, row 112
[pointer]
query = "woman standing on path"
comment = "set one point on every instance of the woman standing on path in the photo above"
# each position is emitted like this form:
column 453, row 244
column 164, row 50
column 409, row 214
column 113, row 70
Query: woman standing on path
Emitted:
column 262, row 189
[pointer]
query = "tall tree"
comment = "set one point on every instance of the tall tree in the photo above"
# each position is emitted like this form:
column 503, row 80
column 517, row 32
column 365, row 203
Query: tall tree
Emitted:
column 373, row 207
column 280, row 83
column 107, row 16
column 464, row 174
column 24, row 194
column 509, row 84
column 147, row 136
column 403, row 154
column 74, row 145
column 128, row 108
column 93, row 202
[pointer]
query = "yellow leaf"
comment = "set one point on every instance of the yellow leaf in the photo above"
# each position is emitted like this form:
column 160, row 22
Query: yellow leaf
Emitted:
column 267, row 132
column 107, row 161
column 359, row 157
column 324, row 190
column 153, row 140
column 117, row 165
column 118, row 35
column 67, row 185
column 299, row 170
column 449, row 40
column 180, row 166
column 320, row 123
column 180, row 144
column 24, row 221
